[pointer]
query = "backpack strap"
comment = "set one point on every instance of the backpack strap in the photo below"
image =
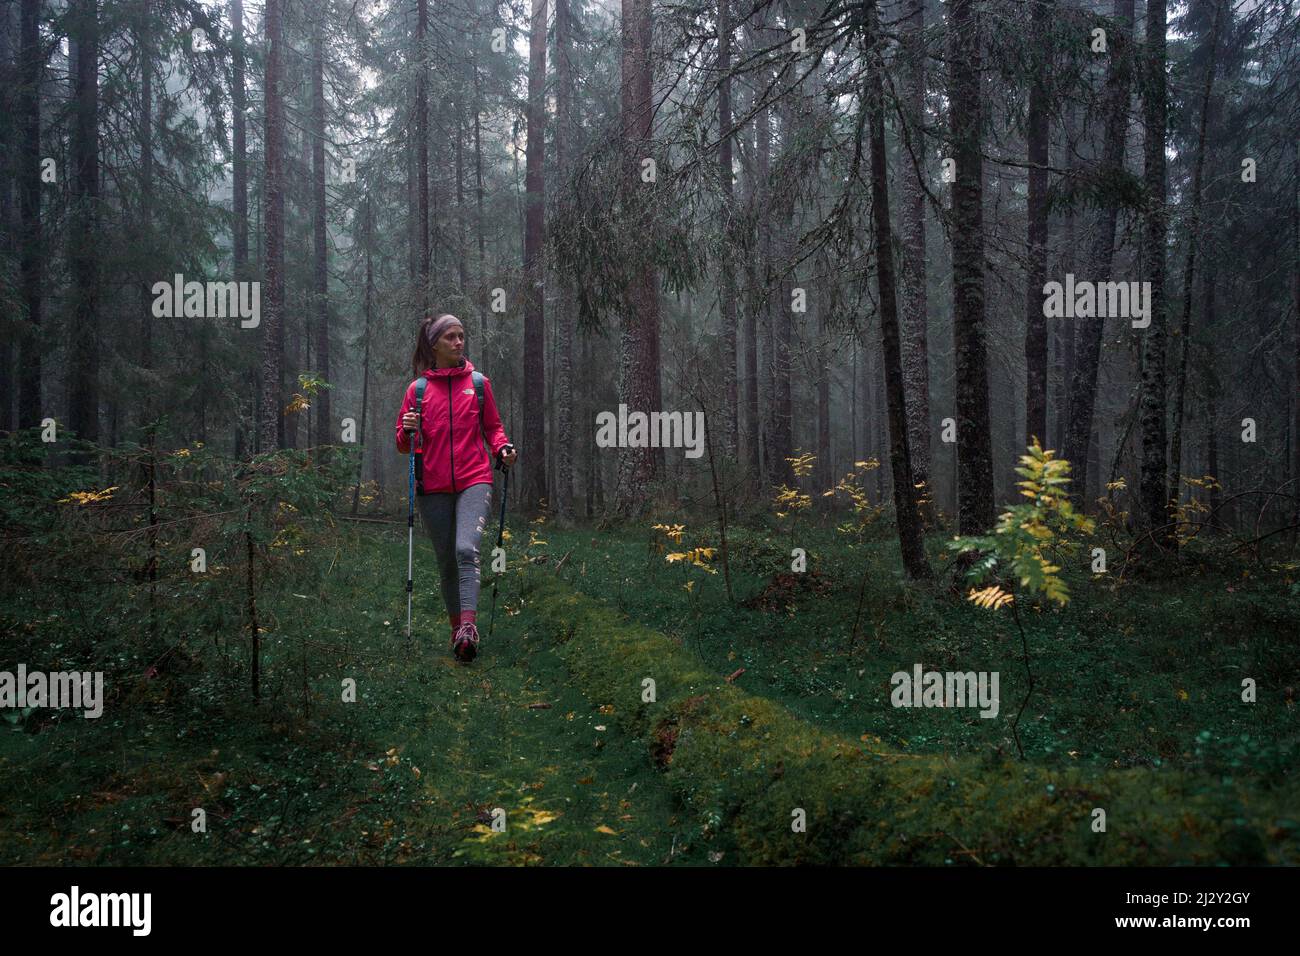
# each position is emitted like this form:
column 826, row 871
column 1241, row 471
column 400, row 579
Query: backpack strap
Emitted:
column 478, row 391
column 420, row 383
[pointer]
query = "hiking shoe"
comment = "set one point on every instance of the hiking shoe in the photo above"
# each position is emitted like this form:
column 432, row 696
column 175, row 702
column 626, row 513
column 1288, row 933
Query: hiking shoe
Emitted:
column 465, row 643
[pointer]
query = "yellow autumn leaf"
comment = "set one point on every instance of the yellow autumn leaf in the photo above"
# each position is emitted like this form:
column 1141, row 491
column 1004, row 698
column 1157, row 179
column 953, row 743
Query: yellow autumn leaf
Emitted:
column 87, row 497
column 991, row 598
column 604, row 829
column 673, row 531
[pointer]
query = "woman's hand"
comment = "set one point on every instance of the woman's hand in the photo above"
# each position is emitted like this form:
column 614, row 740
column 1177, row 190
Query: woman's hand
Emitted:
column 508, row 455
column 410, row 421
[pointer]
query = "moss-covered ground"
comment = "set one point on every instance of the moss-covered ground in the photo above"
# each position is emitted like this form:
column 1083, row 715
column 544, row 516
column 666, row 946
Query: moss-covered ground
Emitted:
column 410, row 772
column 765, row 704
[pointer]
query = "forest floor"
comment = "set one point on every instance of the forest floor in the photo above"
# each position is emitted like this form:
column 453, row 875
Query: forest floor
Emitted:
column 1145, row 672
column 408, row 773
column 1144, row 675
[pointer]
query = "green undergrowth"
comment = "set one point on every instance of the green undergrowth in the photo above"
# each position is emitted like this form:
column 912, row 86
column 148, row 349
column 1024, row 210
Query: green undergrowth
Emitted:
column 745, row 764
column 409, row 773
column 1140, row 673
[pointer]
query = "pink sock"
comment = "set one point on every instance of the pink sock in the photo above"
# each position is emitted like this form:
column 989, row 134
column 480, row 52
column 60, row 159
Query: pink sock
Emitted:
column 467, row 617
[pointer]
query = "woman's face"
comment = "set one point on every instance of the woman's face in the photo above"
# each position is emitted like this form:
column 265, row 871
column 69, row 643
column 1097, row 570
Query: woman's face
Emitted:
column 450, row 346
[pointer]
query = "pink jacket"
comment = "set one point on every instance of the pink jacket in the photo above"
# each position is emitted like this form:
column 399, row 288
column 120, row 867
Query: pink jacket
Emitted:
column 452, row 445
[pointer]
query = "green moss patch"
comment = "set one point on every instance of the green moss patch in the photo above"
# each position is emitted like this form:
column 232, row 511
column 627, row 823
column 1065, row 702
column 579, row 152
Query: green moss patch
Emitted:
column 745, row 765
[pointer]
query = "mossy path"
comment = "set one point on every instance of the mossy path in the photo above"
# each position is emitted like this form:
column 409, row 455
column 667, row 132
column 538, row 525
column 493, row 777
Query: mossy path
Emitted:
column 512, row 733
column 411, row 772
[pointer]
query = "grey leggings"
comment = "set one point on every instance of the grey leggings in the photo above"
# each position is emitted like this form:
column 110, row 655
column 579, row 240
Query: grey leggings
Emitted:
column 455, row 524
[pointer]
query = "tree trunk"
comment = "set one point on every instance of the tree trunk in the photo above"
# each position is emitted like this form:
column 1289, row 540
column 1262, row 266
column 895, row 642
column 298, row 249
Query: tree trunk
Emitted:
column 412, row 213
column 320, row 276
column 878, row 419
column 144, row 236
column 1153, row 490
column 853, row 407
column 478, row 187
column 239, row 196
column 639, row 350
column 83, row 246
column 1189, row 271
column 1035, row 322
column 1088, row 332
column 8, row 175
column 271, row 425
column 462, row 266
column 974, row 454
column 564, row 127
column 298, row 332
column 916, row 357
column 1208, row 318
column 368, row 224
column 727, row 290
column 1295, row 379
column 900, row 459
column 239, row 104
column 763, row 197
column 589, row 413
column 753, row 427
column 31, row 65
column 533, row 484
column 783, row 314
column 824, row 470
column 422, row 146
column 1063, row 337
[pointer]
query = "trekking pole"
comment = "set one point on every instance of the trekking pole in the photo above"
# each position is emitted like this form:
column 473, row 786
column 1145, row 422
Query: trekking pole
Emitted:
column 416, row 437
column 410, row 536
column 501, row 527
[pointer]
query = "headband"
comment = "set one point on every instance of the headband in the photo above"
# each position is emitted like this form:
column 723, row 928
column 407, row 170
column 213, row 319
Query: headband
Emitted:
column 441, row 325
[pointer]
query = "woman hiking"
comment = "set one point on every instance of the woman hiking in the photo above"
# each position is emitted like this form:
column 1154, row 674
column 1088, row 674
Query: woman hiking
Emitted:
column 455, row 478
